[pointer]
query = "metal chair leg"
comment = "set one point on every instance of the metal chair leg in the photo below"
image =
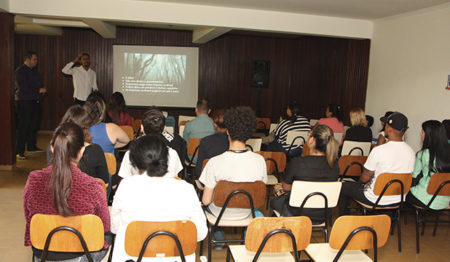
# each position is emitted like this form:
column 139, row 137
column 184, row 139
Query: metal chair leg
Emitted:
column 399, row 225
column 417, row 232
column 209, row 245
column 228, row 255
column 436, row 224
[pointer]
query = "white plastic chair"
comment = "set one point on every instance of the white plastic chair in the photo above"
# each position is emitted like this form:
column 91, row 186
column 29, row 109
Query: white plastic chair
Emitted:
column 356, row 148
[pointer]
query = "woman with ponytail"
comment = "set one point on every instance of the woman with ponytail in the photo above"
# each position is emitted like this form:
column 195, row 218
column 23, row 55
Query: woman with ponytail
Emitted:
column 320, row 165
column 153, row 195
column 63, row 189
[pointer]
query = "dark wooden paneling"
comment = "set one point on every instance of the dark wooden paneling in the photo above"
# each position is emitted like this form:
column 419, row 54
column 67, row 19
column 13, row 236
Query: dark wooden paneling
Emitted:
column 314, row 71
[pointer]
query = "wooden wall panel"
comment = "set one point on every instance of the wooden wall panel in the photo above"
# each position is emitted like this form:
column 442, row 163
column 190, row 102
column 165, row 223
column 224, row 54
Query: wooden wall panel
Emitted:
column 311, row 70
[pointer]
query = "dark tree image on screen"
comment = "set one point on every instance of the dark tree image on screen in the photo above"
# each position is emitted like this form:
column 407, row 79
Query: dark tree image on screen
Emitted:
column 156, row 67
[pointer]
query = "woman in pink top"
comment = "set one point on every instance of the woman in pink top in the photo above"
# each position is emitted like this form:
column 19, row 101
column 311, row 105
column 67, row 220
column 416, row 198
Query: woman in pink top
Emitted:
column 334, row 119
column 117, row 110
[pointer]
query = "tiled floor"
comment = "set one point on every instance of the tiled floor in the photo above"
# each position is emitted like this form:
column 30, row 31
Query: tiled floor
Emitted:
column 12, row 223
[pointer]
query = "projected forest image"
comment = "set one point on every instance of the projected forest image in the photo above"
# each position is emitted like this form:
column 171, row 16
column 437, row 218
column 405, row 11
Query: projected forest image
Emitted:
column 156, row 67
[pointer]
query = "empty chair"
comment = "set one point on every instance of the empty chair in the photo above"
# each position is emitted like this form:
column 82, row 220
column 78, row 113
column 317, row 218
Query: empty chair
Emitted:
column 356, row 148
column 273, row 239
column 295, row 139
column 350, row 235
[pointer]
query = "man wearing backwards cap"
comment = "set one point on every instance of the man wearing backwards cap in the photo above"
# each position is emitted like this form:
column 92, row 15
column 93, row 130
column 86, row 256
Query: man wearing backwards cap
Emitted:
column 393, row 157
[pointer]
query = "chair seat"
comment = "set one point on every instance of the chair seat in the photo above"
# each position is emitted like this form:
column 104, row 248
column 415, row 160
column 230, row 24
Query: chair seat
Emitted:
column 437, row 210
column 377, row 208
column 271, row 180
column 317, row 225
column 323, row 252
column 229, row 223
column 240, row 254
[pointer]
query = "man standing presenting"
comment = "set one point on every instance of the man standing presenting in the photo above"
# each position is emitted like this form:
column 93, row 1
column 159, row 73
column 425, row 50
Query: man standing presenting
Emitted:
column 29, row 87
column 84, row 78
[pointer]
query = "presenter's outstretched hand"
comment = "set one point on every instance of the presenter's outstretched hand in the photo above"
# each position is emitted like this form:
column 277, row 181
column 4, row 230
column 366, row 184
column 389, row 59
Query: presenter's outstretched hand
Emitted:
column 77, row 59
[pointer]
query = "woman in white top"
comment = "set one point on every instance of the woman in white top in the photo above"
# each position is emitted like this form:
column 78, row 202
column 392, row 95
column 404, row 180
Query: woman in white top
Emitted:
column 153, row 196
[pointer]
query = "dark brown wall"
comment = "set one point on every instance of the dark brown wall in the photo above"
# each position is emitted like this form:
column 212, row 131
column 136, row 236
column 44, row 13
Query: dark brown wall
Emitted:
column 7, row 134
column 311, row 70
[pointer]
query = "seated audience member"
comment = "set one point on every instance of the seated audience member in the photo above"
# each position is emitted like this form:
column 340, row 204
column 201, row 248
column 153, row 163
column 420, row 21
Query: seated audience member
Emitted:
column 369, row 121
column 63, row 189
column 434, row 157
column 393, row 157
column 152, row 124
column 93, row 161
column 359, row 131
column 381, row 136
column 117, row 110
column 200, row 126
column 153, row 195
column 334, row 119
column 295, row 122
column 446, row 124
column 107, row 135
column 319, row 165
column 215, row 144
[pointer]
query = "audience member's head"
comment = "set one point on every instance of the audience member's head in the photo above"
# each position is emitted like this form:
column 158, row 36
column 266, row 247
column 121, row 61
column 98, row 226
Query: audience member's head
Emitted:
column 217, row 117
column 149, row 153
column 435, row 140
column 369, row 120
column 322, row 140
column 384, row 118
column 334, row 110
column 293, row 111
column 446, row 124
column 202, row 108
column 96, row 108
column 78, row 115
column 240, row 123
column 117, row 105
column 396, row 125
column 153, row 122
column 67, row 144
column 357, row 117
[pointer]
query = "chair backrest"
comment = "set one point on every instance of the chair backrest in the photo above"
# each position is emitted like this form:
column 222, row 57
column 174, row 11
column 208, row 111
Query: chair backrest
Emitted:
column 272, row 127
column 356, row 148
column 181, row 130
column 205, row 161
column 313, row 122
column 184, row 118
column 192, row 146
column 338, row 136
column 345, row 225
column 137, row 124
column 160, row 246
column 111, row 163
column 279, row 157
column 89, row 226
column 394, row 188
column 129, row 131
column 182, row 123
column 255, row 144
column 257, row 230
column 257, row 191
column 291, row 135
column 103, row 185
column 351, row 165
column 436, row 181
column 263, row 123
column 301, row 189
column 169, row 129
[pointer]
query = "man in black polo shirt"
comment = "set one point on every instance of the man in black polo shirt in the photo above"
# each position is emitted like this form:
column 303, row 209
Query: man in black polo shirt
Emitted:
column 29, row 88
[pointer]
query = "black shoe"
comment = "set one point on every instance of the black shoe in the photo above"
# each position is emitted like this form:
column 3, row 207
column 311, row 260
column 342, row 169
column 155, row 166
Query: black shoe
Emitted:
column 21, row 156
column 35, row 150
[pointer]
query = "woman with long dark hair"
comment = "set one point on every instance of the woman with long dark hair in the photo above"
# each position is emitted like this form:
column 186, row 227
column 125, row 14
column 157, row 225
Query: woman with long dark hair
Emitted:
column 63, row 189
column 117, row 110
column 434, row 157
column 334, row 119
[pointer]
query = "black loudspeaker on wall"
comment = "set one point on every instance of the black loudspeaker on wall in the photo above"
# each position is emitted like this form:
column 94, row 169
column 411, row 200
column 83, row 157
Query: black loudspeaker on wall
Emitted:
column 260, row 73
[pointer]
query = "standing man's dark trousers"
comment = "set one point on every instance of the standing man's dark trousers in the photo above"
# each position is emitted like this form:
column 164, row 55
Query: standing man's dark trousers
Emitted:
column 28, row 113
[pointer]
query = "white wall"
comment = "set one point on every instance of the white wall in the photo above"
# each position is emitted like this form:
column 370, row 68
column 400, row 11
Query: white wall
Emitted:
column 409, row 65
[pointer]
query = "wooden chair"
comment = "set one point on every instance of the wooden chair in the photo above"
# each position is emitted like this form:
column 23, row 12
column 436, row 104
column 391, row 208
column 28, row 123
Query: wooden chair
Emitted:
column 296, row 138
column 129, row 130
column 356, row 148
column 103, row 185
column 254, row 144
column 111, row 163
column 263, row 124
column 137, row 125
column 389, row 184
column 439, row 185
column 184, row 118
column 273, row 239
column 276, row 164
column 351, row 166
column 192, row 152
column 249, row 195
column 160, row 239
column 323, row 195
column 56, row 233
column 351, row 234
